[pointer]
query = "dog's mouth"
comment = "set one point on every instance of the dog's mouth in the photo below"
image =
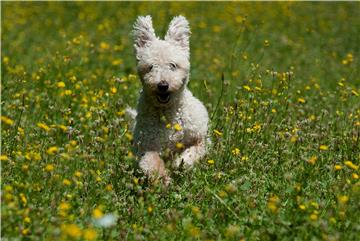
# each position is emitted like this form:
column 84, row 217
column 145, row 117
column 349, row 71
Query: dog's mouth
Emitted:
column 163, row 97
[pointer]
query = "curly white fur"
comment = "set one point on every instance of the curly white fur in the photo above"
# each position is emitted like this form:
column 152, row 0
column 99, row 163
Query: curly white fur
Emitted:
column 173, row 120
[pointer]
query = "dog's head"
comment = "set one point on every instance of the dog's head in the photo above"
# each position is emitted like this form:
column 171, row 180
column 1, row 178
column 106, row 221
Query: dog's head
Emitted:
column 163, row 65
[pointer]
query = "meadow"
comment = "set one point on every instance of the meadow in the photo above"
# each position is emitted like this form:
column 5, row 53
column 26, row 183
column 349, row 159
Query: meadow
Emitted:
column 281, row 82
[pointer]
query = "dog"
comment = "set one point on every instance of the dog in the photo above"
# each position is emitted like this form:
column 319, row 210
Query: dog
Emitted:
column 169, row 118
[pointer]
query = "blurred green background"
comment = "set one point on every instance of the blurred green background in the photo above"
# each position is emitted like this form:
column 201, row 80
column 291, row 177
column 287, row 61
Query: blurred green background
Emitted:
column 284, row 164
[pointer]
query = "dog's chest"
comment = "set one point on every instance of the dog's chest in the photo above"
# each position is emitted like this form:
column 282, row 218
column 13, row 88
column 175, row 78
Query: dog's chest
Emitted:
column 174, row 133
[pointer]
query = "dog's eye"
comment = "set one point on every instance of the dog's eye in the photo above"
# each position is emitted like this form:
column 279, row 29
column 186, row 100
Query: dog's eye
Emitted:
column 150, row 67
column 173, row 66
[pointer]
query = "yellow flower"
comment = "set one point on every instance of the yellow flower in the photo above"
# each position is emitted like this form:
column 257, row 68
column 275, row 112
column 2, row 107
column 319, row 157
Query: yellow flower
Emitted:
column 349, row 59
column 65, row 156
column 240, row 19
column 177, row 127
column 109, row 187
column 97, row 213
column 104, row 46
column 121, row 113
column 149, row 209
column 302, row 206
column 129, row 136
column 343, row 199
column 315, row 205
column 168, row 126
column 179, row 145
column 60, row 84
column 324, row 147
column 351, row 165
column 6, row 60
column 7, row 120
column 313, row 217
column 301, row 100
column 66, row 182
column 130, row 154
column 73, row 143
column 62, row 127
column 23, row 199
column 256, row 127
column 312, row 117
column 195, row 210
column 4, row 158
column 88, row 114
column 216, row 28
column 8, row 188
column 25, row 168
column 266, row 43
column 332, row 220
column 218, row 133
column 21, row 131
column 312, row 160
column 337, row 167
column 293, row 138
column 89, row 234
column 64, row 206
column 117, row 62
column 27, row 220
column 25, row 231
column 52, row 150
column 273, row 203
column 113, row 90
column 247, row 88
column 77, row 174
column 132, row 76
column 355, row 176
column 236, row 151
column 49, row 167
column 35, row 156
column 244, row 158
column 194, row 232
column 105, row 129
column 211, row 162
column 71, row 230
column 27, row 156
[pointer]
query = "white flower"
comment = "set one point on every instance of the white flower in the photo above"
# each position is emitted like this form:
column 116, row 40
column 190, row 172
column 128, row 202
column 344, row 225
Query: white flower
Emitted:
column 106, row 221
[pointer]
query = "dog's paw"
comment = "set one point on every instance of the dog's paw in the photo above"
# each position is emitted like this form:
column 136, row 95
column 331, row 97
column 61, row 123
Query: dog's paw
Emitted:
column 183, row 162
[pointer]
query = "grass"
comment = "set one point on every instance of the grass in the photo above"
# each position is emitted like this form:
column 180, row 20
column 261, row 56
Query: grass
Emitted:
column 285, row 124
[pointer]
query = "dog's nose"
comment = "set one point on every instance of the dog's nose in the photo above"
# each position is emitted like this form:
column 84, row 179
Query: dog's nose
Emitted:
column 163, row 86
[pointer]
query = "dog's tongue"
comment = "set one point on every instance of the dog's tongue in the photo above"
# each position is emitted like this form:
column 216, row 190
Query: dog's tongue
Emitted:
column 163, row 98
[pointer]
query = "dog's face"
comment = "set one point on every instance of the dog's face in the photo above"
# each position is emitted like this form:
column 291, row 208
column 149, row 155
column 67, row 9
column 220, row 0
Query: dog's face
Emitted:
column 163, row 65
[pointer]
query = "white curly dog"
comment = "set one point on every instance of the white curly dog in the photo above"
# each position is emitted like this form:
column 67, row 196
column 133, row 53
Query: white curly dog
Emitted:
column 169, row 118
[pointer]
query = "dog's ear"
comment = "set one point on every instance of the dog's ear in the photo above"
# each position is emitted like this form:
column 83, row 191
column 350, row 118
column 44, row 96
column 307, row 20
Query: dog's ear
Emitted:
column 143, row 31
column 179, row 32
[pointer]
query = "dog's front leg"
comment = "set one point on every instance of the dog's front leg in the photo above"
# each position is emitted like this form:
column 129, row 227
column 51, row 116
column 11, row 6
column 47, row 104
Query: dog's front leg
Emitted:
column 190, row 155
column 152, row 165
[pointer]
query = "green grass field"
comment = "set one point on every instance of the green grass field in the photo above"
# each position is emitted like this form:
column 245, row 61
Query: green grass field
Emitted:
column 285, row 123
